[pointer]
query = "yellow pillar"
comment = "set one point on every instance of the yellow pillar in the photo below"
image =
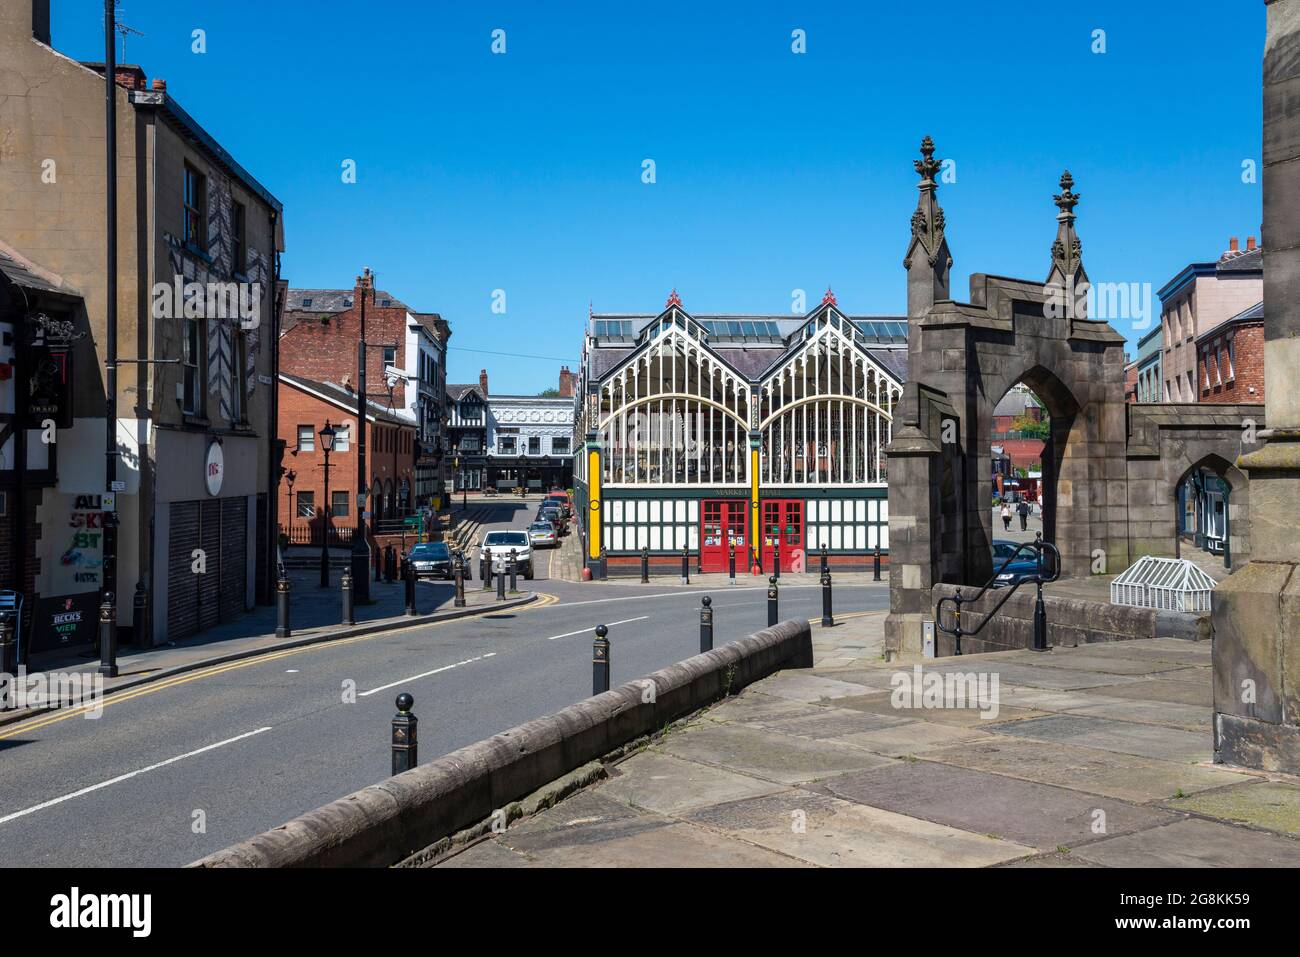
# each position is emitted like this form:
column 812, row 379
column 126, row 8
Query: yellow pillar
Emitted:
column 593, row 503
column 755, row 530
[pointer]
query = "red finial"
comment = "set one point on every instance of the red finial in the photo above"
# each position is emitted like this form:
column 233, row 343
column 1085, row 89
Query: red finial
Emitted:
column 829, row 297
column 673, row 300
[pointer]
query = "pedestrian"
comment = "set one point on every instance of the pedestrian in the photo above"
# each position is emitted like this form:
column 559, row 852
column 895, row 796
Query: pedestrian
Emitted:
column 1006, row 516
column 1023, row 509
column 1040, row 501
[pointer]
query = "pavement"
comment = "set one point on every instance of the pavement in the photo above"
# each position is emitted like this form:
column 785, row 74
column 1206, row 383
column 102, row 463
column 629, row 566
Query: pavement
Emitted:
column 182, row 766
column 1097, row 756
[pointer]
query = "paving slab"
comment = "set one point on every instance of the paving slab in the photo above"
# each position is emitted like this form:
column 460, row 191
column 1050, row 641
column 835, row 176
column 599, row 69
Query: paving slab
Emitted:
column 830, row 723
column 1051, row 860
column 1111, row 664
column 662, row 783
column 882, row 702
column 1194, row 843
column 1025, row 812
column 831, row 832
column 674, row 845
column 914, row 737
column 489, row 853
column 1127, row 777
column 1195, row 691
column 1191, row 717
column 1183, row 652
column 1273, row 805
column 754, row 705
column 1148, row 740
column 809, row 688
column 1037, row 675
column 774, row 757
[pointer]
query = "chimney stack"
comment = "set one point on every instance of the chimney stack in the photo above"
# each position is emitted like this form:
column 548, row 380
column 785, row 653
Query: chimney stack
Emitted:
column 1232, row 244
column 482, row 382
column 566, row 383
column 1250, row 243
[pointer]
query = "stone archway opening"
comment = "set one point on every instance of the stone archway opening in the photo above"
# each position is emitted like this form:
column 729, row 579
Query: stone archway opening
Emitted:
column 1018, row 438
column 1210, row 502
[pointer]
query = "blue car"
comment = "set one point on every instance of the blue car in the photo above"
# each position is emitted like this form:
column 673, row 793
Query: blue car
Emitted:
column 1025, row 564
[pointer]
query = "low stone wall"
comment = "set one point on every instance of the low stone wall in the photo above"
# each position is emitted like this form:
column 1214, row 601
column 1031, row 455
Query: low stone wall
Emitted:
column 386, row 823
column 1070, row 622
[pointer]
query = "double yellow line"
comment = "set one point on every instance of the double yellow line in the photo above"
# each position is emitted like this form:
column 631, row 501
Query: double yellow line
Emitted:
column 35, row 724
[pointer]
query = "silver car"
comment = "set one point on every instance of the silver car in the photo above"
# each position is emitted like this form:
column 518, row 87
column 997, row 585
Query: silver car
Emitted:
column 542, row 535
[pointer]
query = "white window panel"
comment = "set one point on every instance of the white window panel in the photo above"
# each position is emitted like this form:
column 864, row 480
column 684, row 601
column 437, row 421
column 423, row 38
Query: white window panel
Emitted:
column 836, row 512
column 656, row 538
column 681, row 537
column 617, row 514
column 642, row 511
column 860, row 534
column 812, row 539
column 618, row 538
column 872, row 509
column 655, row 511
column 605, row 511
column 836, row 540
column 681, row 511
column 860, row 510
column 884, row 536
column 694, row 511
column 642, row 537
column 884, row 510
column 693, row 532
column 871, row 536
column 605, row 537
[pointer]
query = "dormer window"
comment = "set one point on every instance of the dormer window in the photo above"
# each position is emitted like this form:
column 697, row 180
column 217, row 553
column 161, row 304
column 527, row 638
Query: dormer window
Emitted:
column 306, row 303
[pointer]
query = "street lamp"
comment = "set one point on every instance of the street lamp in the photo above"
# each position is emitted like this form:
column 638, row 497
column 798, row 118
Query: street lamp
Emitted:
column 289, row 478
column 327, row 445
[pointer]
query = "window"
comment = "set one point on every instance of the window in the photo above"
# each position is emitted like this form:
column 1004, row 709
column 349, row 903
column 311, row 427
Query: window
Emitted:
column 390, row 355
column 507, row 445
column 306, row 303
column 238, row 375
column 239, row 256
column 306, row 504
column 194, row 228
column 342, row 436
column 306, row 438
column 534, row 445
column 1232, row 358
column 192, row 361
column 339, row 504
column 1191, row 387
column 560, row 446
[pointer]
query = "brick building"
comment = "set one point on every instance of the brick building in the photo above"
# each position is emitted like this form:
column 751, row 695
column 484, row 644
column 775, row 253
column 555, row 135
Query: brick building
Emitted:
column 406, row 369
column 305, row 407
column 1230, row 359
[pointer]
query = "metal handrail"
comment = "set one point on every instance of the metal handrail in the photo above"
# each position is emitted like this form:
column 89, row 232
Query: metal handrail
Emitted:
column 1038, row 547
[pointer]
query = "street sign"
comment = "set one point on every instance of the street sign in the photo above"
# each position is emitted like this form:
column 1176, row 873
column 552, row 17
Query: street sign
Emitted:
column 109, row 502
column 117, row 485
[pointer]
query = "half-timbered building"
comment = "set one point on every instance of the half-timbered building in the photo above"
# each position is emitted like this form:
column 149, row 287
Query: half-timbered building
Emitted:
column 764, row 435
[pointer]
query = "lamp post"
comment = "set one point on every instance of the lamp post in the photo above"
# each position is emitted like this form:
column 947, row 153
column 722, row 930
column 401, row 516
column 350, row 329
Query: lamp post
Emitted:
column 327, row 446
column 108, row 606
column 290, row 477
column 360, row 548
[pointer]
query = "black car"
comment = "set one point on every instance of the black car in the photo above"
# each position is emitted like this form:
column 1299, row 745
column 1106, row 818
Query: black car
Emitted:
column 431, row 560
column 549, row 513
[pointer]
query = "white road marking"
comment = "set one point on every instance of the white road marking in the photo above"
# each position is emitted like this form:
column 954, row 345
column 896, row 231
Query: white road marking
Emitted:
column 569, row 634
column 394, row 684
column 126, row 777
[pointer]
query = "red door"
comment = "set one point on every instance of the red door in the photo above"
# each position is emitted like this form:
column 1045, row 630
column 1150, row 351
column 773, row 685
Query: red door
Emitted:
column 783, row 521
column 723, row 526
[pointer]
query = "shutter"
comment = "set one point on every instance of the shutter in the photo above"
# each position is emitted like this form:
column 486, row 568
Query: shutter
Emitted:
column 234, row 556
column 210, row 583
column 182, row 584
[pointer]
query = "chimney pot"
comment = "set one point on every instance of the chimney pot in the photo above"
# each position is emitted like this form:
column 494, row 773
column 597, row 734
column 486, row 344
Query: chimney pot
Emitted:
column 159, row 84
column 1232, row 244
column 1250, row 243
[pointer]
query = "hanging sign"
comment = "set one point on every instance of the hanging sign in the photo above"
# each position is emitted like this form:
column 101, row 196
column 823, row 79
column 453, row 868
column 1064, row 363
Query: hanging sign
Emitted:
column 214, row 468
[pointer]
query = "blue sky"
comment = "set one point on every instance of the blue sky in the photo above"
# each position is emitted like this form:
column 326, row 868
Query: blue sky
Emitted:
column 775, row 171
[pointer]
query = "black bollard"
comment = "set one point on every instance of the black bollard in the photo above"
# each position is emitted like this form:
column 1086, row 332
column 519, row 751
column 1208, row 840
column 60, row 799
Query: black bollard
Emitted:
column 460, row 583
column 600, row 661
column 1040, row 610
column 827, row 618
column 771, row 601
column 501, row 583
column 776, row 557
column 108, row 636
column 408, row 574
column 405, row 739
column 8, row 645
column 390, row 571
column 514, row 570
column 139, row 613
column 282, row 607
column 825, row 560
column 706, row 624
column 345, row 585
column 645, row 566
column 686, row 566
column 485, row 568
column 875, row 561
column 731, row 562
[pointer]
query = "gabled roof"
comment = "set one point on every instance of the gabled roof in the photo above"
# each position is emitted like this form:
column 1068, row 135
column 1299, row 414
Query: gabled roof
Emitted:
column 1250, row 260
column 22, row 272
column 337, row 300
column 458, row 392
column 346, row 400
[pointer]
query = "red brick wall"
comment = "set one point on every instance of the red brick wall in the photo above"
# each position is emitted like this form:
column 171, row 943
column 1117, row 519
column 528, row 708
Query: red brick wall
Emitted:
column 1247, row 366
column 1130, row 383
column 300, row 408
column 323, row 346
column 1023, row 452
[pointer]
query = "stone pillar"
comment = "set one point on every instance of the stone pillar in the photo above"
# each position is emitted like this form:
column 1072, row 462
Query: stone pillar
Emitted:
column 1257, row 610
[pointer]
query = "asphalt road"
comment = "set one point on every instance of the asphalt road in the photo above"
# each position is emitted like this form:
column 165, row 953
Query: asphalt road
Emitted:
column 175, row 770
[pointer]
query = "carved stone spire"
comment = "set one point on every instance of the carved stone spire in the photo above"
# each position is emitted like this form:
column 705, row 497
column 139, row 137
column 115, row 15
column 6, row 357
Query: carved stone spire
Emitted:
column 928, row 260
column 1067, row 252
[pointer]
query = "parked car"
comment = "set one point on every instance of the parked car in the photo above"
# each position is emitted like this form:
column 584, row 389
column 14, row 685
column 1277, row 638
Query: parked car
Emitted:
column 431, row 560
column 500, row 544
column 1025, row 564
column 561, row 501
column 549, row 513
column 543, row 535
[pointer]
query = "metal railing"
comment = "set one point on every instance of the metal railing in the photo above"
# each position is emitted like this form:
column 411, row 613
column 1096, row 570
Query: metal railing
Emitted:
column 1042, row 575
column 310, row 534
